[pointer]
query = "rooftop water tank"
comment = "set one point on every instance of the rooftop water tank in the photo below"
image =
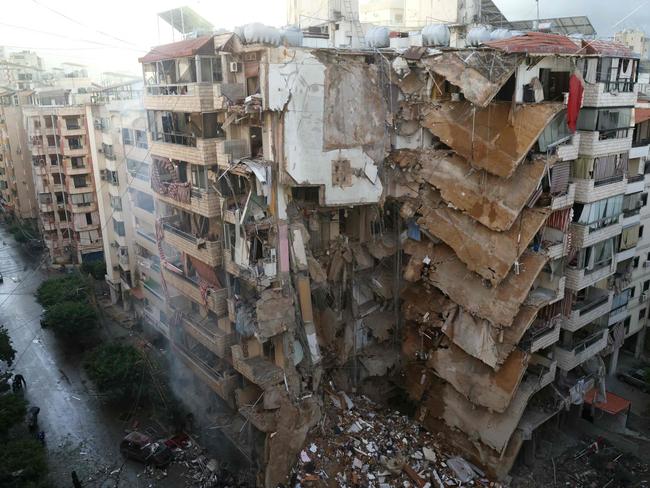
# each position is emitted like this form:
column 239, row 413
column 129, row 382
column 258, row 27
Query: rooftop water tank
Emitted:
column 478, row 35
column 378, row 37
column 435, row 35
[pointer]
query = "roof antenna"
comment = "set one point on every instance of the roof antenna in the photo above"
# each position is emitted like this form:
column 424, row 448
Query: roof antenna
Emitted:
column 537, row 23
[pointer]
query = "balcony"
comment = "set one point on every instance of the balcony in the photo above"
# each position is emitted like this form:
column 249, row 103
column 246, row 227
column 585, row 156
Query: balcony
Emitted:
column 542, row 334
column 207, row 251
column 184, row 147
column 70, row 170
column 601, row 143
column 155, row 289
column 585, row 235
column 257, row 370
column 588, row 310
column 123, row 259
column 610, row 94
column 566, row 200
column 206, row 203
column 139, row 183
column 639, row 150
column 635, row 184
column 221, row 382
column 143, row 215
column 216, row 299
column 569, row 358
column 577, row 279
column 569, row 151
column 206, row 331
column 542, row 369
column 589, row 191
column 263, row 420
column 71, row 188
column 618, row 315
column 180, row 97
column 547, row 289
column 226, row 94
column 147, row 241
column 74, row 151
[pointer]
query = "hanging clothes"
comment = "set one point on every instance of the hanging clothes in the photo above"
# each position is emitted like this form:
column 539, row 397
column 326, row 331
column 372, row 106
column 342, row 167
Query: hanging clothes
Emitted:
column 575, row 101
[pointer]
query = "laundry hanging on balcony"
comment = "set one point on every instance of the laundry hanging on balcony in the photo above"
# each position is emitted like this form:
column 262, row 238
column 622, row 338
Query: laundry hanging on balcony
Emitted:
column 164, row 181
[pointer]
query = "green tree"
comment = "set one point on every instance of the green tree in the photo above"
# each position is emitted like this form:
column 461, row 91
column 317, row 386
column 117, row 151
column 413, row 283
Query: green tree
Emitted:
column 23, row 464
column 97, row 269
column 119, row 371
column 12, row 411
column 7, row 352
column 70, row 319
column 68, row 288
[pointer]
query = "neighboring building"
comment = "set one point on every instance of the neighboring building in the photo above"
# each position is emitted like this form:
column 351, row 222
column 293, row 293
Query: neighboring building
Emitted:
column 66, row 188
column 119, row 149
column 636, row 40
column 415, row 14
column 16, row 180
column 308, row 13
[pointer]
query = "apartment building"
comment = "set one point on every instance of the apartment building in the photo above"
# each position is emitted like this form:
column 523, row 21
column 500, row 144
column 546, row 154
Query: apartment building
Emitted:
column 465, row 234
column 16, row 181
column 65, row 186
column 119, row 150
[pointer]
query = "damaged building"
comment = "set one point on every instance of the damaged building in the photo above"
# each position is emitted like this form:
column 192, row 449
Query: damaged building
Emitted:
column 445, row 225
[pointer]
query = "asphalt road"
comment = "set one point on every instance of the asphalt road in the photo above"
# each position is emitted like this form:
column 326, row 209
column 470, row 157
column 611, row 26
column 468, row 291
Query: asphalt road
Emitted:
column 81, row 433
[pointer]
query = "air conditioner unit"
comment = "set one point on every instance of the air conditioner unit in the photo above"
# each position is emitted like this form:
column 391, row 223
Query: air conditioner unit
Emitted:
column 646, row 264
column 234, row 67
column 643, row 297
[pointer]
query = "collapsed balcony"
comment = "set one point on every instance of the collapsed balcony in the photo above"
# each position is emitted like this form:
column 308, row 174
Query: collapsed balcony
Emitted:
column 195, row 235
column 586, row 343
column 256, row 369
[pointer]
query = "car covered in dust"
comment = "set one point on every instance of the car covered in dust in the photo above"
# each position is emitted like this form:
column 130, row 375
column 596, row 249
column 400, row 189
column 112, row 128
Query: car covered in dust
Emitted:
column 142, row 448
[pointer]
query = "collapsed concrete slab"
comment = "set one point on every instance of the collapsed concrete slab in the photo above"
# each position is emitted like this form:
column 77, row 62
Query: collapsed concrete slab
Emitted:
column 477, row 337
column 479, row 75
column 491, row 138
column 494, row 202
column 445, row 271
column 491, row 428
column 489, row 254
column 475, row 380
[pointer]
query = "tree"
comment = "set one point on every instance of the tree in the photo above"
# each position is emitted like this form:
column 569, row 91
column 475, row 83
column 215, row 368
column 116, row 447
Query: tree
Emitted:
column 12, row 411
column 95, row 268
column 7, row 352
column 119, row 371
column 70, row 319
column 68, row 288
column 23, row 464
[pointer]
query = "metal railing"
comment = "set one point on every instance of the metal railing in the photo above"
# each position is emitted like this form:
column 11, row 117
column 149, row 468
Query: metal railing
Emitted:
column 175, row 138
column 589, row 305
column 613, row 134
column 180, row 233
column 169, row 89
column 618, row 86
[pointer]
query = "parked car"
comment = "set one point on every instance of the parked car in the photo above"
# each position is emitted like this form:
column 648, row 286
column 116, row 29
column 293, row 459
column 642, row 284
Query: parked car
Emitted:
column 144, row 449
column 635, row 377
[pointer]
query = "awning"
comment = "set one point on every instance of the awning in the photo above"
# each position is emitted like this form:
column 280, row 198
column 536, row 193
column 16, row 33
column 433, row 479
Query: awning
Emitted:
column 137, row 293
column 181, row 49
column 614, row 404
column 641, row 115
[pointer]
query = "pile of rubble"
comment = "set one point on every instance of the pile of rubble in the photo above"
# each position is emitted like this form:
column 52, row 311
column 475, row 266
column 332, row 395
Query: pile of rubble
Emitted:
column 360, row 444
column 589, row 464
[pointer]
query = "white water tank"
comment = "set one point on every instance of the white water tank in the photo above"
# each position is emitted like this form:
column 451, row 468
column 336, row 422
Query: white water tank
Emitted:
column 260, row 33
column 378, row 37
column 435, row 35
column 291, row 36
column 498, row 34
column 478, row 35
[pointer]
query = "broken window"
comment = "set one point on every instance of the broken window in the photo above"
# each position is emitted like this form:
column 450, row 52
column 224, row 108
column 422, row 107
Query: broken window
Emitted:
column 82, row 199
column 555, row 133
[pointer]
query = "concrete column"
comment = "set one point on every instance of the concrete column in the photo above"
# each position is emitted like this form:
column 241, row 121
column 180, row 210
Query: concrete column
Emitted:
column 613, row 361
column 640, row 343
column 529, row 451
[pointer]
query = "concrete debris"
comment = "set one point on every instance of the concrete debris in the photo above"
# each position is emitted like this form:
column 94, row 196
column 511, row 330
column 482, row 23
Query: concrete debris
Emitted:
column 370, row 446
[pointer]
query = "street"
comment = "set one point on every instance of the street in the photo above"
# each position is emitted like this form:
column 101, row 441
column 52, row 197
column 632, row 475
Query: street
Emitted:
column 81, row 433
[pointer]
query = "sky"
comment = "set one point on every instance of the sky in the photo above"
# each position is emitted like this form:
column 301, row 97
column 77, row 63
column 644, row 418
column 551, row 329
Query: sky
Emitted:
column 110, row 35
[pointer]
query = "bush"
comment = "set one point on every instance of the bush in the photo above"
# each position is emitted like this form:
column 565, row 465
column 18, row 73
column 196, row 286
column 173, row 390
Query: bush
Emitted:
column 7, row 352
column 119, row 371
column 23, row 464
column 97, row 269
column 12, row 411
column 68, row 288
column 70, row 319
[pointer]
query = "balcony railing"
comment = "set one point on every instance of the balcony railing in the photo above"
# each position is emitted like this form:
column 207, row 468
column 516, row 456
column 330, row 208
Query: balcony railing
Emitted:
column 171, row 89
column 618, row 86
column 175, row 138
column 613, row 134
